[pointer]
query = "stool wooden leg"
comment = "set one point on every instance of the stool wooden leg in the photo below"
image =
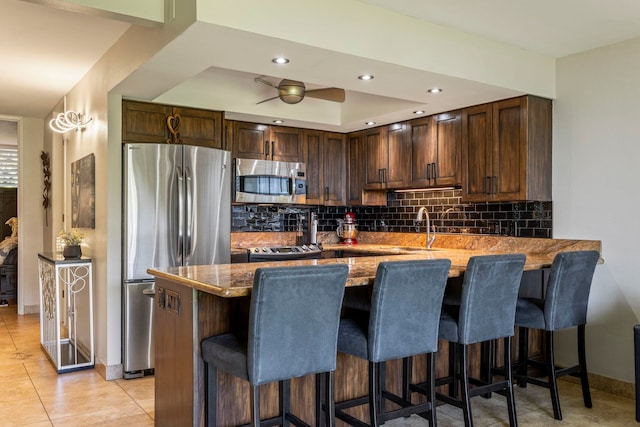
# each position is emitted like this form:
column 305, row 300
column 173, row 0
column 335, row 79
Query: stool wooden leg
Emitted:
column 431, row 395
column 330, row 415
column 464, row 386
column 285, row 401
column 582, row 360
column 374, row 394
column 511, row 405
column 553, row 384
column 255, row 405
column 407, row 371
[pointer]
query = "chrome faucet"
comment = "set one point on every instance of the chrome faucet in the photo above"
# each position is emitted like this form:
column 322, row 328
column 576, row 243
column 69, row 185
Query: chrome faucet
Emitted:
column 431, row 234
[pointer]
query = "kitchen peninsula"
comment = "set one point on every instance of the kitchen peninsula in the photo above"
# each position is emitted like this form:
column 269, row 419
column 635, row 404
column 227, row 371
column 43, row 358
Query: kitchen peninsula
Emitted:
column 196, row 302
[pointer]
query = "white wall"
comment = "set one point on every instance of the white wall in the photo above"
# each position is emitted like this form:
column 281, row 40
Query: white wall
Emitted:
column 30, row 228
column 596, row 175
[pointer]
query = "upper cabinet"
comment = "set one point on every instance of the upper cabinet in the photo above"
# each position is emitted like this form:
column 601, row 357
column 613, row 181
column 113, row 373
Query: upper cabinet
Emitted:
column 157, row 123
column 387, row 151
column 324, row 154
column 435, row 150
column 258, row 141
column 506, row 150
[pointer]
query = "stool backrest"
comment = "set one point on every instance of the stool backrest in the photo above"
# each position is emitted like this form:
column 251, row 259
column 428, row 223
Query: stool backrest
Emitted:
column 568, row 289
column 293, row 321
column 489, row 296
column 405, row 308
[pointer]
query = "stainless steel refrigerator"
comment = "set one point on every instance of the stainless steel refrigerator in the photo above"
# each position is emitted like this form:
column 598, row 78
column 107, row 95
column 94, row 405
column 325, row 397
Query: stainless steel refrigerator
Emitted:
column 176, row 211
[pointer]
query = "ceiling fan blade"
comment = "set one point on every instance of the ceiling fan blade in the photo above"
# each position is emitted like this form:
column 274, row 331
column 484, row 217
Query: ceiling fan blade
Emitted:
column 329, row 94
column 268, row 99
column 263, row 81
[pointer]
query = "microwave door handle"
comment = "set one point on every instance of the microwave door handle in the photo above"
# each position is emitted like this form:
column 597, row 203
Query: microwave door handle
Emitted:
column 189, row 214
column 180, row 213
column 293, row 186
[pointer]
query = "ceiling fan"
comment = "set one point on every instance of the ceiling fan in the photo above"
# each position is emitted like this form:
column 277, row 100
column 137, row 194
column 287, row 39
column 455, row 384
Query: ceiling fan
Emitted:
column 292, row 91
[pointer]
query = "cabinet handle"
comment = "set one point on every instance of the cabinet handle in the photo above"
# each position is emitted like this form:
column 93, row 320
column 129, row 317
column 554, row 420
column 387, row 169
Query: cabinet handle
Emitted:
column 326, row 193
column 493, row 184
column 384, row 175
column 380, row 176
column 486, row 185
column 434, row 175
column 266, row 149
column 272, row 150
column 428, row 167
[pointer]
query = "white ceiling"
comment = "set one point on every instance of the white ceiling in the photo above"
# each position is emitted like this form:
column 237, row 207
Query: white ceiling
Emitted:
column 38, row 70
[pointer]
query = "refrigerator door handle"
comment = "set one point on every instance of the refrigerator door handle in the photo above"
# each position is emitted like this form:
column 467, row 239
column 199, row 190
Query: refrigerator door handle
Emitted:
column 189, row 209
column 149, row 292
column 180, row 213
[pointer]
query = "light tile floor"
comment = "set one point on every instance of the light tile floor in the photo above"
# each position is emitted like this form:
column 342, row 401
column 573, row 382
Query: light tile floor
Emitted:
column 33, row 394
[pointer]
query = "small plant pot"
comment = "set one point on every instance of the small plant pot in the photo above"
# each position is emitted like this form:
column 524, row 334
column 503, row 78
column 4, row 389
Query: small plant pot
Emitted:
column 72, row 252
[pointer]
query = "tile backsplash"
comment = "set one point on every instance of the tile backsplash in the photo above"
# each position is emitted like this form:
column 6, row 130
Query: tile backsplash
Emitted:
column 446, row 210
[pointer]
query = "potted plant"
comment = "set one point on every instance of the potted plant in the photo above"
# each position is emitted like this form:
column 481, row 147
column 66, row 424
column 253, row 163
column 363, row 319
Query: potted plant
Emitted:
column 72, row 240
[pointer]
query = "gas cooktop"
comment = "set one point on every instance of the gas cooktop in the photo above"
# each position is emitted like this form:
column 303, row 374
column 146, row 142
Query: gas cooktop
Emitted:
column 284, row 252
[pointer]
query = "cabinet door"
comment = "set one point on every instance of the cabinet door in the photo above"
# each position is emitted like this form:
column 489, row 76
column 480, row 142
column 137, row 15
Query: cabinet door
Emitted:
column 356, row 168
column 285, row 144
column 334, row 169
column 200, row 127
column 396, row 173
column 477, row 145
column 144, row 122
column 448, row 136
column 312, row 155
column 423, row 152
column 250, row 140
column 508, row 177
column 376, row 156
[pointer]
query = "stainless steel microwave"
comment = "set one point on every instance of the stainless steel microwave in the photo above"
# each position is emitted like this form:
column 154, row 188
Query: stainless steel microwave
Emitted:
column 266, row 181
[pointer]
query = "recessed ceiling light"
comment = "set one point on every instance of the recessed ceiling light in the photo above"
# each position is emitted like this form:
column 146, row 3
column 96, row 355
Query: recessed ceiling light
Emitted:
column 278, row 121
column 280, row 60
column 435, row 90
column 370, row 123
column 418, row 112
column 366, row 77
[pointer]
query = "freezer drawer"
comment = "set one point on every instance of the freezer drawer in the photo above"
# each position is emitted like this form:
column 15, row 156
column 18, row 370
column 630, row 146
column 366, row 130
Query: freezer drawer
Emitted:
column 137, row 336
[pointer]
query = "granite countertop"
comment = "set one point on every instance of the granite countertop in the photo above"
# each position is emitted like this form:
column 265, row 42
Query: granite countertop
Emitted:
column 236, row 280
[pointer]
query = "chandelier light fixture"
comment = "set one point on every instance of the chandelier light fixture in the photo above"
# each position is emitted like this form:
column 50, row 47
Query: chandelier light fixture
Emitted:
column 69, row 120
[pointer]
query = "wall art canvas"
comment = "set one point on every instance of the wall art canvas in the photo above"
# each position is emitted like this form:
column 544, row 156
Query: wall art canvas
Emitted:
column 83, row 192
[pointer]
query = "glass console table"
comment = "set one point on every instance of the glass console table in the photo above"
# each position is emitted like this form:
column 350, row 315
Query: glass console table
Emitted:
column 66, row 311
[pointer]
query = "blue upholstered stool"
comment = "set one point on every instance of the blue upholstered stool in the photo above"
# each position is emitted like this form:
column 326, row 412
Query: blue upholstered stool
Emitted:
column 402, row 322
column 486, row 312
column 564, row 306
column 293, row 328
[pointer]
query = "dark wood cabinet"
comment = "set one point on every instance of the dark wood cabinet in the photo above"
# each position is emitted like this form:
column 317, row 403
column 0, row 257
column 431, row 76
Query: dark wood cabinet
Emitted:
column 356, row 168
column 506, row 150
column 149, row 122
column 435, row 150
column 386, row 157
column 200, row 127
column 258, row 141
column 324, row 154
column 145, row 122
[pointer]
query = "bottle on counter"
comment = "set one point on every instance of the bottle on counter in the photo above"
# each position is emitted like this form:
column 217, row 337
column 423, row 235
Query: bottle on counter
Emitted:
column 299, row 233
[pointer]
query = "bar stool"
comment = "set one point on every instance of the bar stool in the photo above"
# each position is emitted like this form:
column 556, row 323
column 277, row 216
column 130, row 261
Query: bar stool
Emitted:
column 293, row 327
column 486, row 312
column 402, row 322
column 564, row 306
